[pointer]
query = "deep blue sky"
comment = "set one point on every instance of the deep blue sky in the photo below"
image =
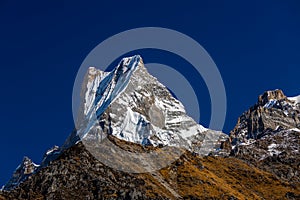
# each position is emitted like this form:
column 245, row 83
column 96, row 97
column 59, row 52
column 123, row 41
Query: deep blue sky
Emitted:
column 256, row 46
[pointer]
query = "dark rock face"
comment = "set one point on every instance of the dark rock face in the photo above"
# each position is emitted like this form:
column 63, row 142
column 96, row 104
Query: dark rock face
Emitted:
column 268, row 136
column 273, row 111
column 277, row 153
column 76, row 174
column 269, row 95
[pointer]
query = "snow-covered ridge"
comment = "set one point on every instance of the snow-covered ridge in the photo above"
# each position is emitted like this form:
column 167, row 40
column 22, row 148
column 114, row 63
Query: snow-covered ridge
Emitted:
column 101, row 89
column 280, row 101
column 295, row 99
column 114, row 83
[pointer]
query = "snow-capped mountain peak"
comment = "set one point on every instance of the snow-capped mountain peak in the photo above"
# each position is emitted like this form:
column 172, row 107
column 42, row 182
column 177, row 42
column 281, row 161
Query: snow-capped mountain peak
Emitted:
column 134, row 106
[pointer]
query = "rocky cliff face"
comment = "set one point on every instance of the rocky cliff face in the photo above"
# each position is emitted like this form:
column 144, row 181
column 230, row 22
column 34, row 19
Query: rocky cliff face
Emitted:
column 273, row 111
column 268, row 135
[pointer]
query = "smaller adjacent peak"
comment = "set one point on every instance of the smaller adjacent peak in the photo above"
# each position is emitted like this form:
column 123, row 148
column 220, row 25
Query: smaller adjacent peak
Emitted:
column 26, row 159
column 273, row 112
column 25, row 169
column 27, row 166
column 270, row 96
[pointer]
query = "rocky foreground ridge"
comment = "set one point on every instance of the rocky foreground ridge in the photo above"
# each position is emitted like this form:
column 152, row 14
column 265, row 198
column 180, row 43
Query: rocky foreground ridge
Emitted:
column 76, row 174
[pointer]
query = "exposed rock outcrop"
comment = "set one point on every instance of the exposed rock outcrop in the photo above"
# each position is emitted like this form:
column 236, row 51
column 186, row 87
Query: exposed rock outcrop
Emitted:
column 268, row 136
